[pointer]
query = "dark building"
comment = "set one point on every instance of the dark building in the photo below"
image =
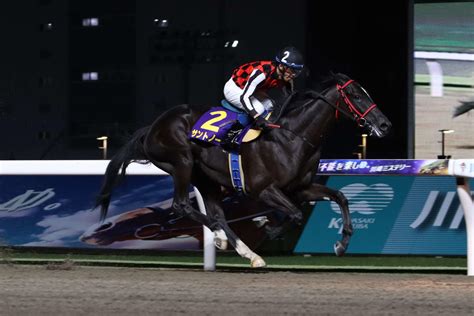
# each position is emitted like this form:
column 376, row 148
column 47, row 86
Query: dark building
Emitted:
column 74, row 70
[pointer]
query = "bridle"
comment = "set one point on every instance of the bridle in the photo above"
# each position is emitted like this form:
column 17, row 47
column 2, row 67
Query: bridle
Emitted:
column 357, row 116
column 351, row 112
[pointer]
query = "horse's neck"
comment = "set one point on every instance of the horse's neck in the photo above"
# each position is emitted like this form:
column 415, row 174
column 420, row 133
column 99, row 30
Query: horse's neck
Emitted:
column 312, row 120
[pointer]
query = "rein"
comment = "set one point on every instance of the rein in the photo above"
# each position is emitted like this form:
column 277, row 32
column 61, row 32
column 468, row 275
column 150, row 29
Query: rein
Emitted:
column 283, row 107
column 317, row 95
column 353, row 113
column 282, row 110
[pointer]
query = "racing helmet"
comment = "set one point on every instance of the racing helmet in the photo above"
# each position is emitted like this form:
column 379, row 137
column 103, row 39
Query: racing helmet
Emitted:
column 291, row 58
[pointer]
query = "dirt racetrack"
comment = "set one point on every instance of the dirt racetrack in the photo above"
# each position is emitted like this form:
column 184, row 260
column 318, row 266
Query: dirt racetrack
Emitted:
column 36, row 290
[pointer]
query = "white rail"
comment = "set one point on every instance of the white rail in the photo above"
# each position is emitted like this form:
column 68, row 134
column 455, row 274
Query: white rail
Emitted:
column 444, row 56
column 434, row 67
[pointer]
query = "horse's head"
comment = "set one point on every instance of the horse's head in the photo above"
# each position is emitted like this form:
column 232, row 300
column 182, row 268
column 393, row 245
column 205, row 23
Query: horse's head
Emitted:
column 357, row 103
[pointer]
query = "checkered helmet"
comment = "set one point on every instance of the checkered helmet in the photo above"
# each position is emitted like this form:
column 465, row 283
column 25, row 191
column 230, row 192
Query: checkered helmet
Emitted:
column 290, row 57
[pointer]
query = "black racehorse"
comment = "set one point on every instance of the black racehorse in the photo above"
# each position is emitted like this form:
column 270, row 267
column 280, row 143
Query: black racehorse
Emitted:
column 279, row 166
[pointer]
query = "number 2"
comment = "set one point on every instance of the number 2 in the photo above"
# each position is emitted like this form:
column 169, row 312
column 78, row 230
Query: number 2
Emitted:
column 208, row 124
column 287, row 54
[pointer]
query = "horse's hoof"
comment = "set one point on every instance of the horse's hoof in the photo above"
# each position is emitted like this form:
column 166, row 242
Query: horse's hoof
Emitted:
column 339, row 249
column 258, row 262
column 220, row 239
column 272, row 232
column 220, row 244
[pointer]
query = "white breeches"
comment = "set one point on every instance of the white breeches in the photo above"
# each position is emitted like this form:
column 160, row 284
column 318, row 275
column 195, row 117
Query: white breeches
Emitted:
column 234, row 94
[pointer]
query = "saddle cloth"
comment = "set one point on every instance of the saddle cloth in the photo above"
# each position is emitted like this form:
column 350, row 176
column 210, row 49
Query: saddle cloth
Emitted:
column 213, row 125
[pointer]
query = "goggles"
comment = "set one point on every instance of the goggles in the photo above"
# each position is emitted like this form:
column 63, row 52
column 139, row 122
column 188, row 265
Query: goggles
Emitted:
column 295, row 72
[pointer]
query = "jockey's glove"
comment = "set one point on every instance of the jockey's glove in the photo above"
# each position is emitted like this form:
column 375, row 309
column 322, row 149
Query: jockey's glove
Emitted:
column 262, row 123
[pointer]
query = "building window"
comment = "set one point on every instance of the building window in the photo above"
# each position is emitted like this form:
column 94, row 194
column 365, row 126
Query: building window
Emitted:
column 90, row 22
column 90, row 76
column 161, row 22
column 44, row 135
column 44, row 108
column 45, row 82
column 45, row 54
column 46, row 27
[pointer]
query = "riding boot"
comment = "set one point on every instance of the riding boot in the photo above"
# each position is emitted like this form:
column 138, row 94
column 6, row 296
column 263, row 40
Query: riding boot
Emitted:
column 230, row 141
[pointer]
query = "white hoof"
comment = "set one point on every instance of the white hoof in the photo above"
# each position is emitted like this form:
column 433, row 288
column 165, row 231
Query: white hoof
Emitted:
column 220, row 239
column 339, row 249
column 260, row 221
column 258, row 262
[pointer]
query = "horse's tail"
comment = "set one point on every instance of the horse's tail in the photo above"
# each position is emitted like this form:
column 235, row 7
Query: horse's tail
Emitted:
column 115, row 172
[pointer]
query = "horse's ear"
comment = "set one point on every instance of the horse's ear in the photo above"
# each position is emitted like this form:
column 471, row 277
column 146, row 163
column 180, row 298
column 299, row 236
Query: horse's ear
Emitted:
column 306, row 72
column 333, row 75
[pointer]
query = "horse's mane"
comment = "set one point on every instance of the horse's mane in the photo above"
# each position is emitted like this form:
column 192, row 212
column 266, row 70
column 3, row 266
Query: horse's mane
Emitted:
column 301, row 97
column 333, row 78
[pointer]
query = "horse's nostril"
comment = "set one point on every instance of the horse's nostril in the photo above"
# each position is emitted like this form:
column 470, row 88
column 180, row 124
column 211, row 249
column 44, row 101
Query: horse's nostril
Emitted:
column 384, row 126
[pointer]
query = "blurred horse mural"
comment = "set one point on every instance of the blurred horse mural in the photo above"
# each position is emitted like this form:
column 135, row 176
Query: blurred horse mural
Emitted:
column 157, row 222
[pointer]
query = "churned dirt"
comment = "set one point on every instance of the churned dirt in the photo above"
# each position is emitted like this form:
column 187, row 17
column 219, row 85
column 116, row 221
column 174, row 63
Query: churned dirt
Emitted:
column 78, row 290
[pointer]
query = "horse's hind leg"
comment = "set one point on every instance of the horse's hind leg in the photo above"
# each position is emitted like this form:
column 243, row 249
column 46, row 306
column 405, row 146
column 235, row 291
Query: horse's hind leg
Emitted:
column 167, row 146
column 181, row 170
column 320, row 192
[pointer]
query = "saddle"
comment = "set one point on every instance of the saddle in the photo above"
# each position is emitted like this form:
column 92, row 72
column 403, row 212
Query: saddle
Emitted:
column 224, row 126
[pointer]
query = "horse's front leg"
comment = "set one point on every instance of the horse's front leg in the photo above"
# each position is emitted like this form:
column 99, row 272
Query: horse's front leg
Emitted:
column 242, row 249
column 320, row 192
column 275, row 198
column 212, row 201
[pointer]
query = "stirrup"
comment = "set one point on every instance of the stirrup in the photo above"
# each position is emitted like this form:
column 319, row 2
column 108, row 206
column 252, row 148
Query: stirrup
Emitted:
column 230, row 146
column 230, row 141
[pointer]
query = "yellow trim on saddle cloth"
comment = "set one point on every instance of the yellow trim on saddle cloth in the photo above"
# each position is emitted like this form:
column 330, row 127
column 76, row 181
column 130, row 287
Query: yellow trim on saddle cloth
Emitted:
column 253, row 133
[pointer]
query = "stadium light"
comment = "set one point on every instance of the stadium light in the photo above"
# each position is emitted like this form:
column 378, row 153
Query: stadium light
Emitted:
column 443, row 133
column 104, row 145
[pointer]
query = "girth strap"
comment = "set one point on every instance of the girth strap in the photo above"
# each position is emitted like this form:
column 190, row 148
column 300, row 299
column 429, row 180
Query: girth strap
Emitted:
column 236, row 172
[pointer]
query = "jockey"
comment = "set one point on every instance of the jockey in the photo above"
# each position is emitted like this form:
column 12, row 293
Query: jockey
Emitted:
column 247, row 88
